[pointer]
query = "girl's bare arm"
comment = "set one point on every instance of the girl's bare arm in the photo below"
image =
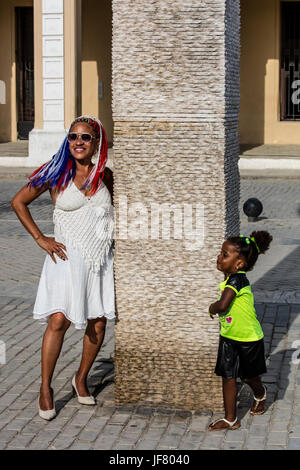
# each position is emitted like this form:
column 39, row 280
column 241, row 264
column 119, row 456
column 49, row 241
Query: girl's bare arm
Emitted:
column 222, row 305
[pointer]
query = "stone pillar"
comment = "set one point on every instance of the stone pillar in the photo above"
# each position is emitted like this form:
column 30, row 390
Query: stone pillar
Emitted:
column 56, row 67
column 175, row 111
column 72, row 59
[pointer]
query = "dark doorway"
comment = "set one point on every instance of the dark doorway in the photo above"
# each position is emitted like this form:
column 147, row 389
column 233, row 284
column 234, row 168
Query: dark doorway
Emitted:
column 24, row 71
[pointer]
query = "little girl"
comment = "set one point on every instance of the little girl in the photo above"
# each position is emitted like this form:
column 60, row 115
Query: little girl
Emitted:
column 241, row 348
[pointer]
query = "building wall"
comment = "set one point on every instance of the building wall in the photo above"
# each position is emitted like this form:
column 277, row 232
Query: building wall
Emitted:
column 96, row 60
column 8, row 111
column 6, row 68
column 260, row 70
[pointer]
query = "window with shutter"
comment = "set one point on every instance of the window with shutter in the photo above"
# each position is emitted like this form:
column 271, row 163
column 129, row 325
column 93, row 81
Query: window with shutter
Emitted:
column 289, row 64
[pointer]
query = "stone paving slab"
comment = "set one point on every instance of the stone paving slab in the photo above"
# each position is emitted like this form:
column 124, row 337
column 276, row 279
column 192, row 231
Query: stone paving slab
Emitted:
column 270, row 150
column 106, row 426
column 14, row 149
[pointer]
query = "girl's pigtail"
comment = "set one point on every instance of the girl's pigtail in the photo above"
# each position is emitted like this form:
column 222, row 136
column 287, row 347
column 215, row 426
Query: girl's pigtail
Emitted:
column 262, row 239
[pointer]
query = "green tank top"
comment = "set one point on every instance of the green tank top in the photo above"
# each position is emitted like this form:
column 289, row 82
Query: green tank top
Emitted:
column 240, row 322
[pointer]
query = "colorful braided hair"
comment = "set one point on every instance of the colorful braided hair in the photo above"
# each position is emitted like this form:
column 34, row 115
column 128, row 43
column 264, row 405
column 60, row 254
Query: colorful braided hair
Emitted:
column 61, row 168
column 250, row 247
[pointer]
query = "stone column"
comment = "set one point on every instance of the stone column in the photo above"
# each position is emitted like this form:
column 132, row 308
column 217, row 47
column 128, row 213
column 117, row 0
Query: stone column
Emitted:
column 56, row 67
column 72, row 59
column 175, row 111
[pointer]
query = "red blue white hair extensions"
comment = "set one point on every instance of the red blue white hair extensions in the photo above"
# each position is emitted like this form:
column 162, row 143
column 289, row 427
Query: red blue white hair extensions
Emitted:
column 61, row 168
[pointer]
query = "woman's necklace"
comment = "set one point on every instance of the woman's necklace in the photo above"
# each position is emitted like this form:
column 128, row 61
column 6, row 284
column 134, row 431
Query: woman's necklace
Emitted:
column 81, row 179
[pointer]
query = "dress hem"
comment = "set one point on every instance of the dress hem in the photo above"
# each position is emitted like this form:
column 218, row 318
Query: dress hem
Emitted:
column 78, row 326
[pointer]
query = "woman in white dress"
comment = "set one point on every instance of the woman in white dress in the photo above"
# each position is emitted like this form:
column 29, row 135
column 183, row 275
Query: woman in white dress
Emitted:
column 77, row 282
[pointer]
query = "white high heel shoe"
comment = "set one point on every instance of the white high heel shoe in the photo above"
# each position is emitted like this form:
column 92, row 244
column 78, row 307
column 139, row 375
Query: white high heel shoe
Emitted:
column 46, row 414
column 83, row 400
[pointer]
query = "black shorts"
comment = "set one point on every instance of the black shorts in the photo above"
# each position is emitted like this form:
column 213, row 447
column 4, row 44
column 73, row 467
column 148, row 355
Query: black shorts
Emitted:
column 240, row 359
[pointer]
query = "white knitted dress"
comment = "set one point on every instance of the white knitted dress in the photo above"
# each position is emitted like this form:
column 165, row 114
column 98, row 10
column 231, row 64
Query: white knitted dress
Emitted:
column 81, row 287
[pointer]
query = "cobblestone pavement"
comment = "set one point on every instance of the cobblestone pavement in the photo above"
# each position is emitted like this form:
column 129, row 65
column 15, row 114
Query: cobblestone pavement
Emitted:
column 276, row 286
column 277, row 273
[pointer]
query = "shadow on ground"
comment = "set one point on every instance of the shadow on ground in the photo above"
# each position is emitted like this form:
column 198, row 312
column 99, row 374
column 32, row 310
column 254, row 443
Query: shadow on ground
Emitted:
column 103, row 375
column 281, row 325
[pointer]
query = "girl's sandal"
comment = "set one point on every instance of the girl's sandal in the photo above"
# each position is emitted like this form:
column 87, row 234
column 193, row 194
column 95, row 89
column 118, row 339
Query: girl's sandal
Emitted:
column 259, row 403
column 228, row 425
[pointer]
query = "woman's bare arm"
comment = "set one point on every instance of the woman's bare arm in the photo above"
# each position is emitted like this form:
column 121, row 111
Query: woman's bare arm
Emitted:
column 108, row 180
column 20, row 204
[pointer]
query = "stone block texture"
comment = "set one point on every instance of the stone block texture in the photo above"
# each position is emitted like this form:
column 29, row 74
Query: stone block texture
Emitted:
column 175, row 111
